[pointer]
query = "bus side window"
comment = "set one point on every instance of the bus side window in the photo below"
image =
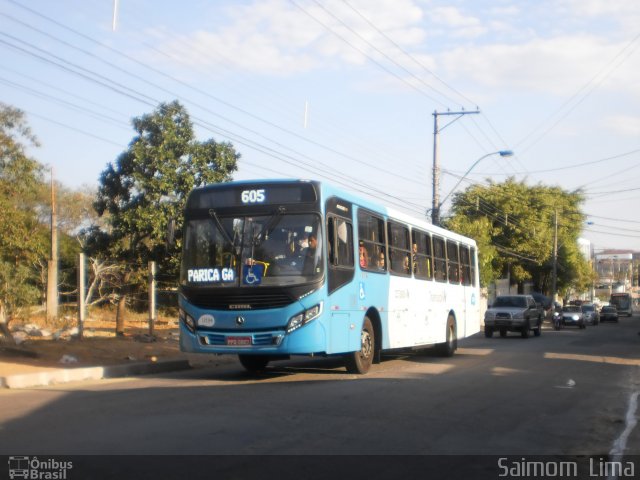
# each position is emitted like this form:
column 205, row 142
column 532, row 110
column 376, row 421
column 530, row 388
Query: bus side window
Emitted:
column 340, row 242
column 453, row 262
column 422, row 255
column 344, row 236
column 399, row 249
column 465, row 265
column 472, row 262
column 371, row 242
column 439, row 260
column 331, row 238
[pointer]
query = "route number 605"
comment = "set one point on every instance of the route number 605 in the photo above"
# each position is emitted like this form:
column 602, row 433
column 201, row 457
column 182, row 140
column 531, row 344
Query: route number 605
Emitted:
column 252, row 196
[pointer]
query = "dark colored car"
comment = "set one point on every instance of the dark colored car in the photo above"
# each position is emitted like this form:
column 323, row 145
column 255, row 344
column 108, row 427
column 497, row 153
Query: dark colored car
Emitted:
column 513, row 313
column 572, row 315
column 609, row 314
column 543, row 300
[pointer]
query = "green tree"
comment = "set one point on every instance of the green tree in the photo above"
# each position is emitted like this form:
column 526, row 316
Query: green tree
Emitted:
column 147, row 186
column 23, row 241
column 513, row 224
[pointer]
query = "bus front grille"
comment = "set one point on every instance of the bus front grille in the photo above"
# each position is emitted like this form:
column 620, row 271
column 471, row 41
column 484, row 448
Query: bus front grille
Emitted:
column 228, row 300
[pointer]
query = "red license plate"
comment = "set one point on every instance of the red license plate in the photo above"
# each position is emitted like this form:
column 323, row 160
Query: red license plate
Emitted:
column 238, row 340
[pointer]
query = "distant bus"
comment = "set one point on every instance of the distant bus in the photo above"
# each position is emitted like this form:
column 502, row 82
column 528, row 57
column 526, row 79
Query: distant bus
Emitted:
column 622, row 301
column 277, row 268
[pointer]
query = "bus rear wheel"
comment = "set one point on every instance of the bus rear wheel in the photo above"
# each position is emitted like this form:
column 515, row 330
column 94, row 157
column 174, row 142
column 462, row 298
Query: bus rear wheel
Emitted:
column 254, row 363
column 449, row 347
column 361, row 360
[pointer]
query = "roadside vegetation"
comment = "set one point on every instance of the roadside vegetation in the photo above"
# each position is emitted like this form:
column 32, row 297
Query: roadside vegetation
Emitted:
column 516, row 227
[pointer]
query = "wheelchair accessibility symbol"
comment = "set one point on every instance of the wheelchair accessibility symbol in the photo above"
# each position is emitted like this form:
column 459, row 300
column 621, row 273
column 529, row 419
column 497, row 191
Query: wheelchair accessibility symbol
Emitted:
column 252, row 274
column 362, row 294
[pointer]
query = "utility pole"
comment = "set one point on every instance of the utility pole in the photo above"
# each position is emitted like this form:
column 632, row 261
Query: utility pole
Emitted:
column 52, row 272
column 435, row 206
column 554, row 286
column 81, row 295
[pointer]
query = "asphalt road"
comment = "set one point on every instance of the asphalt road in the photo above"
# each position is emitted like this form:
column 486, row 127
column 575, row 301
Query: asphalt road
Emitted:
column 569, row 392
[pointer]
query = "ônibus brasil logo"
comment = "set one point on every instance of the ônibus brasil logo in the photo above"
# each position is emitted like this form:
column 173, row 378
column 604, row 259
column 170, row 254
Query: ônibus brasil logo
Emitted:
column 33, row 468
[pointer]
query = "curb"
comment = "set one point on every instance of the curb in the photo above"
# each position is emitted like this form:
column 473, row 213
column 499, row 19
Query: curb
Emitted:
column 66, row 375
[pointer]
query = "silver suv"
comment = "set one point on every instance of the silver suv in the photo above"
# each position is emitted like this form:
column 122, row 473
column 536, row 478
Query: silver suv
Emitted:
column 514, row 313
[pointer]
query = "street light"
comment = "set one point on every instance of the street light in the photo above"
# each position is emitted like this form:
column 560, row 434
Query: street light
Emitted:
column 502, row 153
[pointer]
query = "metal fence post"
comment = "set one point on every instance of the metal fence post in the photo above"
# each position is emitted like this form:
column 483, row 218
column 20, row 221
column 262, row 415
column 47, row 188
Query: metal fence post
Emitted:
column 152, row 296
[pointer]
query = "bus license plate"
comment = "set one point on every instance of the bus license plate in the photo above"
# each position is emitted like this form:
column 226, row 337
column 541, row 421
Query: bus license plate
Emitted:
column 238, row 340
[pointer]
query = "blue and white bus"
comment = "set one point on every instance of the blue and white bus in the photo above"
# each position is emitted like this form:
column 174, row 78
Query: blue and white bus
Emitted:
column 277, row 268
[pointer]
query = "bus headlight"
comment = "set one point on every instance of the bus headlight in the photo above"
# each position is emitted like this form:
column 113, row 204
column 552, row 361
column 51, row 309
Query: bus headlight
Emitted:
column 188, row 321
column 304, row 317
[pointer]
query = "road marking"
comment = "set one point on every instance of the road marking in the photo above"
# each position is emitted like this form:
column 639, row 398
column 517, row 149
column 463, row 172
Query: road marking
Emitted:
column 475, row 351
column 620, row 445
column 593, row 358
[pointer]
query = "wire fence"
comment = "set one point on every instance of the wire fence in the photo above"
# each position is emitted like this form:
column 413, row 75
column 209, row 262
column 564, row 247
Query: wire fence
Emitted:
column 145, row 291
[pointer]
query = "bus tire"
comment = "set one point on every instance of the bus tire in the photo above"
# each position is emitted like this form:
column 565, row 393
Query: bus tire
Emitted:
column 254, row 363
column 449, row 347
column 360, row 361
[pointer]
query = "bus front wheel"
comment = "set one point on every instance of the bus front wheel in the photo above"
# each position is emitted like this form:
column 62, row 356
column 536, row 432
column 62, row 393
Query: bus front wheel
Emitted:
column 361, row 360
column 254, row 363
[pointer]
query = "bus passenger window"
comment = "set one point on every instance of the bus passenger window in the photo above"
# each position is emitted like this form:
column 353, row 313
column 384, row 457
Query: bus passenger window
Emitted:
column 399, row 249
column 439, row 260
column 371, row 242
column 453, row 262
column 465, row 265
column 421, row 255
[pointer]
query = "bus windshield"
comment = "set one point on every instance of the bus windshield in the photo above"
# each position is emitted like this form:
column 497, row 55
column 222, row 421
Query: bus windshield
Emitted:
column 252, row 251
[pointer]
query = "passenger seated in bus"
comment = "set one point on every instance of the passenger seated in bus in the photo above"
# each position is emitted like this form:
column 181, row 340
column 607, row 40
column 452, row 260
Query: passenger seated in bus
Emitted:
column 414, row 251
column 405, row 264
column 364, row 256
column 381, row 263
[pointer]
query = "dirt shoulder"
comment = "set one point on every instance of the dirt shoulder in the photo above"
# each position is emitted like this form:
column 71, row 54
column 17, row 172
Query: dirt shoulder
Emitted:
column 99, row 346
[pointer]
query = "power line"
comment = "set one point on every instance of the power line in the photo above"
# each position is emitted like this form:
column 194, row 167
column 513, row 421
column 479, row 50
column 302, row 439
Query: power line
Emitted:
column 408, row 55
column 207, row 94
column 568, row 167
column 612, row 219
column 589, row 85
column 380, row 65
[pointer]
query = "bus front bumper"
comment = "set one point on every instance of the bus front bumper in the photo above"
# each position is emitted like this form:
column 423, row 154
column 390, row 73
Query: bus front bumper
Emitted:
column 307, row 340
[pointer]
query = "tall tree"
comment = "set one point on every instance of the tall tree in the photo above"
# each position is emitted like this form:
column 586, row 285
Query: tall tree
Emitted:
column 147, row 186
column 23, row 241
column 514, row 226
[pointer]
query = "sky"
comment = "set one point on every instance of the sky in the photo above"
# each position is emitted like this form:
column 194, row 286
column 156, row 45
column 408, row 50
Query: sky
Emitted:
column 347, row 91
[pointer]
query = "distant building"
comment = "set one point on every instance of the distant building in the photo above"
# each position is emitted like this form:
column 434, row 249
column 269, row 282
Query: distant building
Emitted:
column 617, row 271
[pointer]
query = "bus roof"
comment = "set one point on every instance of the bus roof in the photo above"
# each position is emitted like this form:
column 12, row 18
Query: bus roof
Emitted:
column 328, row 190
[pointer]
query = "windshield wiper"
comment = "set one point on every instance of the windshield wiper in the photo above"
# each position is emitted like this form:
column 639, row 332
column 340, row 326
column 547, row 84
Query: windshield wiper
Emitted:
column 214, row 215
column 273, row 221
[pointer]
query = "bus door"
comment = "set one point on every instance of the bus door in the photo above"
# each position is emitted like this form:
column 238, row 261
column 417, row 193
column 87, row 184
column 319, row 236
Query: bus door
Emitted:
column 340, row 277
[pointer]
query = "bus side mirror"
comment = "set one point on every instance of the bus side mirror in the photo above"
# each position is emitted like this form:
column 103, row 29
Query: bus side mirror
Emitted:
column 171, row 233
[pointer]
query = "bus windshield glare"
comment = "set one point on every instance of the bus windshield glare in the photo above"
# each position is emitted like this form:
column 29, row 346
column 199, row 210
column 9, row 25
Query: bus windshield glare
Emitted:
column 252, row 251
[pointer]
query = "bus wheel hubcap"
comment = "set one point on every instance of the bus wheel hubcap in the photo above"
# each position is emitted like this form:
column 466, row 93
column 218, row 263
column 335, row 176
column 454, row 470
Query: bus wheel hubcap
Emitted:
column 366, row 344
